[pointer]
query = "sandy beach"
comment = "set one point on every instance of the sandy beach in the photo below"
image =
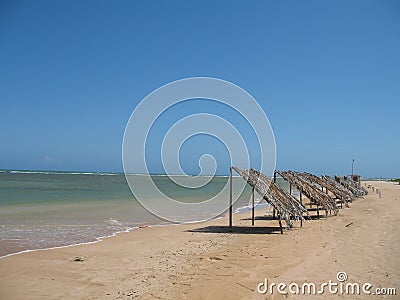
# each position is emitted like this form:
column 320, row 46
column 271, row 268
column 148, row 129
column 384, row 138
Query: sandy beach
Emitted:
column 205, row 261
column 199, row 150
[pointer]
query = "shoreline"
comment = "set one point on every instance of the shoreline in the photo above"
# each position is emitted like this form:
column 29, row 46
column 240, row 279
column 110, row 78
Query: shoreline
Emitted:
column 58, row 211
column 101, row 238
column 98, row 239
column 205, row 261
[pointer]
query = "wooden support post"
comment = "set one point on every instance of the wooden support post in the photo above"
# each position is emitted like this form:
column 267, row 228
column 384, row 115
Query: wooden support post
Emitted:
column 280, row 223
column 318, row 211
column 230, row 199
column 301, row 202
column 341, row 202
column 273, row 209
column 252, row 211
column 290, row 188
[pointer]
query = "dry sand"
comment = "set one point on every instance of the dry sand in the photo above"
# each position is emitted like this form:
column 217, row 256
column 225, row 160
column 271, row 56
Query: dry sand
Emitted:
column 203, row 261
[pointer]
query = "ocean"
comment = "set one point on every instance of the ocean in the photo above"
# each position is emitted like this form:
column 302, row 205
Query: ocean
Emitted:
column 40, row 210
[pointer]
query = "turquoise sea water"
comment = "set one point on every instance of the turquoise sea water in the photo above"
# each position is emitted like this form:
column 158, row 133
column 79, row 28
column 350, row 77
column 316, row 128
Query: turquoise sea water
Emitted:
column 48, row 209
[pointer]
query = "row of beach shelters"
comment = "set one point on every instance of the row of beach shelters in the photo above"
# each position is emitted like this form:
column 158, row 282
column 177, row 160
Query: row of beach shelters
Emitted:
column 324, row 193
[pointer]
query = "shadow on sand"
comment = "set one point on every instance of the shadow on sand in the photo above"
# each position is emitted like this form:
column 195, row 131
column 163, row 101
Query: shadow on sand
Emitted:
column 238, row 229
column 308, row 218
column 259, row 218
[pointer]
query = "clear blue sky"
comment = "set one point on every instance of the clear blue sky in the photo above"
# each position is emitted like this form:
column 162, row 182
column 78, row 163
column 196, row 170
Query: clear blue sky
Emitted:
column 327, row 74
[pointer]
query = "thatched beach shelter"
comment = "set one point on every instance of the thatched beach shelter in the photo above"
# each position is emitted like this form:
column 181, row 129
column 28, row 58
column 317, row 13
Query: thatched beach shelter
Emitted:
column 286, row 206
column 337, row 190
column 316, row 195
column 353, row 186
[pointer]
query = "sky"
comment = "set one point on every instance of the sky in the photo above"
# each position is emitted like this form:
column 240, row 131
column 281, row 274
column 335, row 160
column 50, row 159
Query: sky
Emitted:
column 326, row 73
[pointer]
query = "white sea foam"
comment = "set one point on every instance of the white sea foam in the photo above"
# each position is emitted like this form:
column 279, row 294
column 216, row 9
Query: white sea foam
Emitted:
column 58, row 173
column 98, row 239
